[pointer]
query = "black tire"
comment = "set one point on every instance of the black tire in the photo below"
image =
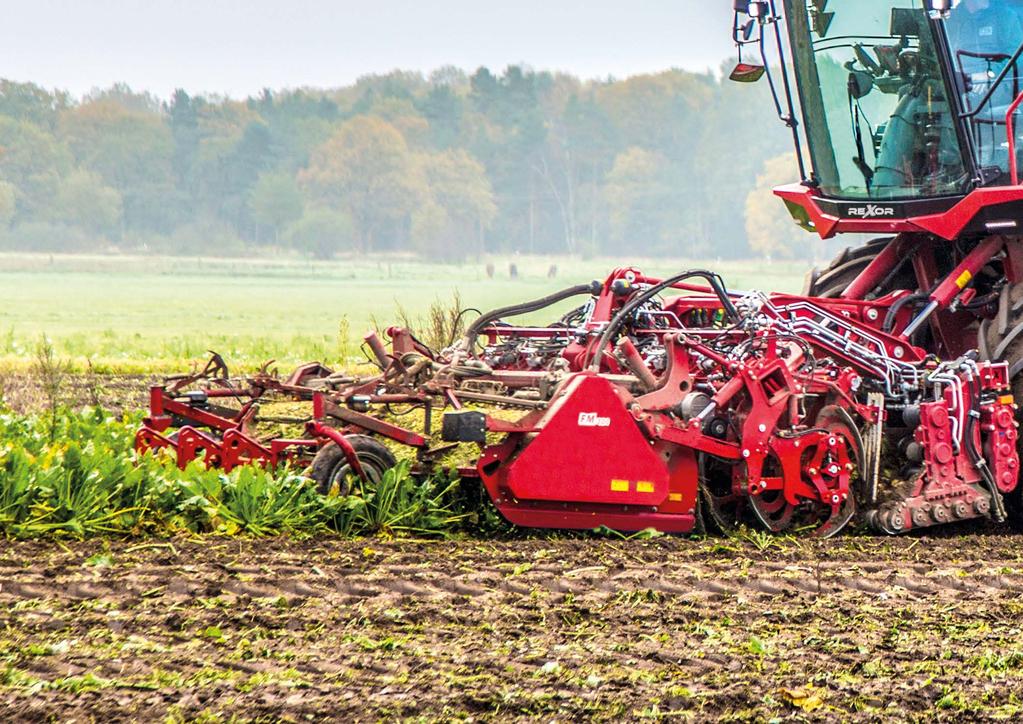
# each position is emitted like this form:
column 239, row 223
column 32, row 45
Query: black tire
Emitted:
column 848, row 265
column 332, row 472
column 1001, row 340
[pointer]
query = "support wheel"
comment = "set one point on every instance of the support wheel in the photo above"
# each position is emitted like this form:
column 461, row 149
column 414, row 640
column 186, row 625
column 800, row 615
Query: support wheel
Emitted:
column 332, row 472
column 722, row 510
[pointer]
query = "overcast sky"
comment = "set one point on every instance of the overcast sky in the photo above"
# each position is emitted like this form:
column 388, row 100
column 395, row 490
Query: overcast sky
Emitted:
column 237, row 47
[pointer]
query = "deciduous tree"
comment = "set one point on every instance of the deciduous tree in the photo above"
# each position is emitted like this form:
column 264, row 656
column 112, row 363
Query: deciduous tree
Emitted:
column 770, row 228
column 366, row 169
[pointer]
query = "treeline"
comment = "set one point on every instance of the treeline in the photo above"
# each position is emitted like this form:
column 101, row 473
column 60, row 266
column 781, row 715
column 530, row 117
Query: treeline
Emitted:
column 450, row 166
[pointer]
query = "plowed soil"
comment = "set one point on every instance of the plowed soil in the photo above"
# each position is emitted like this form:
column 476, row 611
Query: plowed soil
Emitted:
column 855, row 629
column 22, row 391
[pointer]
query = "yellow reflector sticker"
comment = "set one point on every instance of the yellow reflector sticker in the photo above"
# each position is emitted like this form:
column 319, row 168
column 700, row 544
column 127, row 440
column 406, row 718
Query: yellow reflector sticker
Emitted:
column 620, row 486
column 644, row 487
column 675, row 497
column 964, row 279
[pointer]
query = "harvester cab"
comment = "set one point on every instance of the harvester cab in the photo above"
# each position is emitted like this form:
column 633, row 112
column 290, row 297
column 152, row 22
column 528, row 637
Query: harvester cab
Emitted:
column 906, row 108
column 904, row 118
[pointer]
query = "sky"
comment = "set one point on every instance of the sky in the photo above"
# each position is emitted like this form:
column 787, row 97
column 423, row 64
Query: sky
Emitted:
column 237, row 48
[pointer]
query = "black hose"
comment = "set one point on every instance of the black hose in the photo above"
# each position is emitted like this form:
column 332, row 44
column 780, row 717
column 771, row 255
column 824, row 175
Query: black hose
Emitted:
column 973, row 414
column 639, row 300
column 889, row 320
column 458, row 322
column 525, row 308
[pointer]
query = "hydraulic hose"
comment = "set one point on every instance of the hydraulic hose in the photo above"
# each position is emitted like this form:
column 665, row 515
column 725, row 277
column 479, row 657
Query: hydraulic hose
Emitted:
column 889, row 320
column 525, row 308
column 616, row 323
column 997, row 502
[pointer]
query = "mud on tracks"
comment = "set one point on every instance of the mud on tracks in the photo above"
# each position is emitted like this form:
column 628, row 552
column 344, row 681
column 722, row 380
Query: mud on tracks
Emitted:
column 858, row 629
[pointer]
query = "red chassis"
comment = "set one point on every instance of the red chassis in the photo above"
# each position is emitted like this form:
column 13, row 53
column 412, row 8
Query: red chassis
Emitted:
column 767, row 416
column 664, row 403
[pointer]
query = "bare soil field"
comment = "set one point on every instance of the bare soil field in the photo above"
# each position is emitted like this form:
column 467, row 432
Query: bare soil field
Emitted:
column 23, row 393
column 855, row 629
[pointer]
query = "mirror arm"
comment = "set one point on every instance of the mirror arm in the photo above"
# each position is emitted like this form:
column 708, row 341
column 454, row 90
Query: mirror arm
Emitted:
column 791, row 121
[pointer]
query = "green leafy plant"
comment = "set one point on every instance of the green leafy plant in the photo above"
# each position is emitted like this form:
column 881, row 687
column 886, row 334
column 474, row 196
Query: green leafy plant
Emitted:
column 70, row 474
column 399, row 504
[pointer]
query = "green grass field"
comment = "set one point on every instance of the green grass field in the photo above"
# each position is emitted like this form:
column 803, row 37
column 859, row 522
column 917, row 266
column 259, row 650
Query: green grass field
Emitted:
column 138, row 314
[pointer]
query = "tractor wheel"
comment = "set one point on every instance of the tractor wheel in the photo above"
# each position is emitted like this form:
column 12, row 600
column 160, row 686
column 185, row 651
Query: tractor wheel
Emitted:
column 848, row 265
column 1001, row 340
column 332, row 472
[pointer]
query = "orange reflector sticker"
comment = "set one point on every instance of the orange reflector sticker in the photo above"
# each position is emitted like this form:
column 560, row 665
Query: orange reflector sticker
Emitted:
column 620, row 486
column 644, row 487
column 964, row 279
column 675, row 497
column 1006, row 400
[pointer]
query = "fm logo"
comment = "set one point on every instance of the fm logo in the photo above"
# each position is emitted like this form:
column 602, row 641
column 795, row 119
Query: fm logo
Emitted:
column 590, row 419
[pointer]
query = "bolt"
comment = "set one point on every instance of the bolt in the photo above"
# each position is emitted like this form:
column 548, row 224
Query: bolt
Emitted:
column 835, row 500
column 834, row 469
column 763, row 485
column 895, row 521
column 899, row 352
column 745, row 453
column 873, row 314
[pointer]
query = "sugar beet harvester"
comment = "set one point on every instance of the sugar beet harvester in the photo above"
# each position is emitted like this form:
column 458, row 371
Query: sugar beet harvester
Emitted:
column 660, row 403
column 884, row 393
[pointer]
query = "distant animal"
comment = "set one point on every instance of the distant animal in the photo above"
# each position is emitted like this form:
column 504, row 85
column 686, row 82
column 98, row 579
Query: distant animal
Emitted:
column 490, row 271
column 552, row 273
column 513, row 271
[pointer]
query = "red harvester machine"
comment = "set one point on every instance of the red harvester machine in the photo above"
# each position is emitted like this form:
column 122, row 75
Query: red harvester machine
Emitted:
column 883, row 394
column 663, row 403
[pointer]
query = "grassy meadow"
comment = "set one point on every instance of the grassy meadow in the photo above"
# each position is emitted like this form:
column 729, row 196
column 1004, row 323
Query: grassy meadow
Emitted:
column 127, row 314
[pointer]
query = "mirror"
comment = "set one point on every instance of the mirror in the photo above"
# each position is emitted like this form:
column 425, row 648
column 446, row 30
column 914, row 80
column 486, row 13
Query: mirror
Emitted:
column 747, row 73
column 747, row 30
column 905, row 23
column 860, row 84
column 821, row 22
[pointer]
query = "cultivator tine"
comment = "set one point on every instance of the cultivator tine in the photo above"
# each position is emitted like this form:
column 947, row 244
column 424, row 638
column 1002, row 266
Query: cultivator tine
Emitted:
column 215, row 369
column 837, row 520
